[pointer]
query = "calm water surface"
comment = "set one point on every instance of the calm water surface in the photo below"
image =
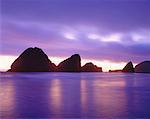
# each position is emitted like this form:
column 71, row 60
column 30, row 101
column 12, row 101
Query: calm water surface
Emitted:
column 74, row 95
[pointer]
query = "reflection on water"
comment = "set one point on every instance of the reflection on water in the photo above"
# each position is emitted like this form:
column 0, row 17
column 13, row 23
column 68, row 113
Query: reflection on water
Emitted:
column 7, row 98
column 83, row 96
column 55, row 95
column 103, row 98
column 74, row 95
column 111, row 101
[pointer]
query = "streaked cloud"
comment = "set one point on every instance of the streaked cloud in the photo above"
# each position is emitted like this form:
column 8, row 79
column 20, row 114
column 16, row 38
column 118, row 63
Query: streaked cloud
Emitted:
column 99, row 30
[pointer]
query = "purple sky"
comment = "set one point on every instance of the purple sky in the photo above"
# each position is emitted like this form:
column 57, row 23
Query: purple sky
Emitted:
column 115, row 30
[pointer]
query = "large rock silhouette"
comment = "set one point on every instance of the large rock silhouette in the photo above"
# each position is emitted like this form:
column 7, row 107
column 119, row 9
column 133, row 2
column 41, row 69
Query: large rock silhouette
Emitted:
column 128, row 68
column 90, row 67
column 72, row 64
column 32, row 60
column 143, row 67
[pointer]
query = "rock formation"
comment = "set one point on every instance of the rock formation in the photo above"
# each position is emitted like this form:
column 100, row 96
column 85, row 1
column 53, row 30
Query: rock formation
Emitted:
column 128, row 68
column 117, row 70
column 90, row 67
column 32, row 60
column 143, row 67
column 53, row 67
column 72, row 64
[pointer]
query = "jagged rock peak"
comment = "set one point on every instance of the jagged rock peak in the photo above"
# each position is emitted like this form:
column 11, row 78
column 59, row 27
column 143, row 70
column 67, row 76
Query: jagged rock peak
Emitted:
column 128, row 68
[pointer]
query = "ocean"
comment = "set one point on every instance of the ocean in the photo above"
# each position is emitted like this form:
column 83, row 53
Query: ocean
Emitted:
column 74, row 95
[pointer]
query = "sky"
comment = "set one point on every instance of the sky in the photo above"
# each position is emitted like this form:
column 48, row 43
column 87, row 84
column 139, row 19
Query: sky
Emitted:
column 109, row 33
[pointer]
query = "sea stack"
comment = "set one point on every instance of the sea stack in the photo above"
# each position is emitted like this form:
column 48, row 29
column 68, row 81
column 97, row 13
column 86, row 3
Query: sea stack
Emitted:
column 32, row 60
column 128, row 68
column 143, row 67
column 90, row 67
column 72, row 64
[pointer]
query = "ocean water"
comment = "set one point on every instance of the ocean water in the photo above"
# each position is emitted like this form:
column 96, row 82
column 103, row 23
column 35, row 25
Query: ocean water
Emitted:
column 74, row 95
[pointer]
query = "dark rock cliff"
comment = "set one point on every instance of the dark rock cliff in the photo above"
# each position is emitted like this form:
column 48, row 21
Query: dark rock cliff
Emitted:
column 72, row 64
column 32, row 60
column 143, row 67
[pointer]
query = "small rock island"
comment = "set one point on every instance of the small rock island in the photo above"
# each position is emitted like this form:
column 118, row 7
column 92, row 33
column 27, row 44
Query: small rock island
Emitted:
column 143, row 67
column 90, row 67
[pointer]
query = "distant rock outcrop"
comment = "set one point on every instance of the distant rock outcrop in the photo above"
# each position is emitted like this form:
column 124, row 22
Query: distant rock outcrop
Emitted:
column 118, row 70
column 72, row 64
column 90, row 67
column 32, row 60
column 143, row 67
column 128, row 68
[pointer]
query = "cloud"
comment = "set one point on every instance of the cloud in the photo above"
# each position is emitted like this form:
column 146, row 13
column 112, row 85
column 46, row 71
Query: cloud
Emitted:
column 110, row 15
column 102, row 30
